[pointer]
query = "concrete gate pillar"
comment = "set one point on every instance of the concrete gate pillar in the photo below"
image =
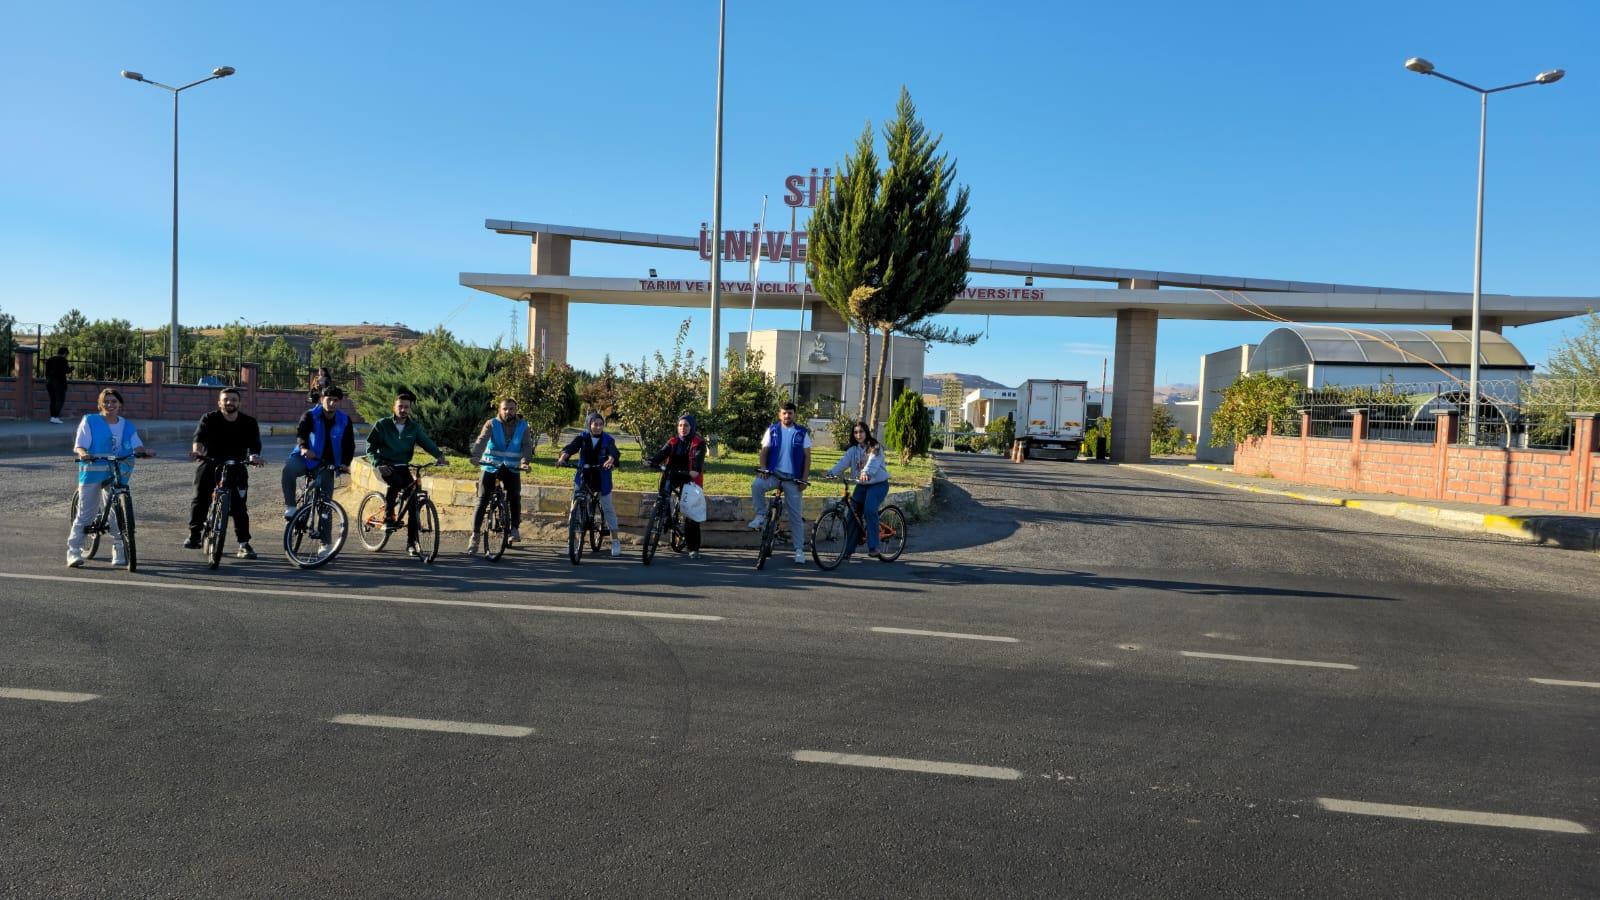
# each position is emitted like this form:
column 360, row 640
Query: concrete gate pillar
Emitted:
column 1133, row 391
column 547, row 313
column 823, row 318
column 1488, row 323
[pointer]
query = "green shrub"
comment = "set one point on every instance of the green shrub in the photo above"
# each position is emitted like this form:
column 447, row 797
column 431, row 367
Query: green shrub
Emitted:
column 840, row 429
column 1250, row 403
column 1001, row 433
column 543, row 390
column 747, row 402
column 450, row 380
column 908, row 430
column 650, row 398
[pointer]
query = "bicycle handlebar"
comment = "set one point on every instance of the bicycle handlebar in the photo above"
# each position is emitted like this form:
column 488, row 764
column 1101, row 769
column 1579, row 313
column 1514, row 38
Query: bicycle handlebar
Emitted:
column 500, row 465
column 107, row 458
column 781, row 477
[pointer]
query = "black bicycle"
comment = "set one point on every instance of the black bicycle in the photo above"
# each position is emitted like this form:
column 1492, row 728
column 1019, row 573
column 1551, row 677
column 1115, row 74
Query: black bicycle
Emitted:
column 413, row 504
column 317, row 530
column 116, row 510
column 494, row 536
column 666, row 517
column 775, row 509
column 215, row 534
column 830, row 535
column 583, row 518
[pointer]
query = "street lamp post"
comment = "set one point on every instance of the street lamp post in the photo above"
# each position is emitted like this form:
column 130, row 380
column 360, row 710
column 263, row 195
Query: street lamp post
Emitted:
column 1423, row 67
column 172, row 334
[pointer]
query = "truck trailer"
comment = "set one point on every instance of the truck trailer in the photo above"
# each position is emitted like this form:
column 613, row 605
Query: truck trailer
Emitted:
column 1052, row 416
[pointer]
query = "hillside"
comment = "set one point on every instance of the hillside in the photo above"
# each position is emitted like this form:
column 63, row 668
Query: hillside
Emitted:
column 358, row 339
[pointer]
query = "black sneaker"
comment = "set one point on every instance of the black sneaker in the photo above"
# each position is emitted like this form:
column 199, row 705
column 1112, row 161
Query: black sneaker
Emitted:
column 246, row 551
column 193, row 543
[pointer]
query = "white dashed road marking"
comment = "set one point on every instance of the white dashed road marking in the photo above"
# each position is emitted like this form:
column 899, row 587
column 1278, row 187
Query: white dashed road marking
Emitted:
column 1196, row 654
column 900, row 764
column 948, row 634
column 157, row 584
column 1559, row 683
column 479, row 728
column 1451, row 816
column 48, row 696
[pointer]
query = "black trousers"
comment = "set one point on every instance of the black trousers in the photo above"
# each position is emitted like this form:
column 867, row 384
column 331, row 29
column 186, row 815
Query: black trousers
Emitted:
column 58, row 397
column 512, row 479
column 205, row 480
column 691, row 528
column 398, row 478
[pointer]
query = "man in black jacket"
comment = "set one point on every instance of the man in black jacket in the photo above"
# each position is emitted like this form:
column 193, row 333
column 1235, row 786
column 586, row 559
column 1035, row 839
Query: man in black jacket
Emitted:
column 222, row 437
column 56, row 370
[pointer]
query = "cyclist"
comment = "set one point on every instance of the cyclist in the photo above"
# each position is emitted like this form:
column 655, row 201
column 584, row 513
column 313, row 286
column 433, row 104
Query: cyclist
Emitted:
column 598, row 450
column 685, row 458
column 391, row 443
column 786, row 451
column 223, row 436
column 104, row 433
column 503, row 440
column 864, row 460
column 324, row 432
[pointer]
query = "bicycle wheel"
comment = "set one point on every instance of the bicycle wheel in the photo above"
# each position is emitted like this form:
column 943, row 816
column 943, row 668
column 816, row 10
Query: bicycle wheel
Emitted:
column 216, row 532
column 575, row 529
column 303, row 540
column 496, row 528
column 124, row 511
column 828, row 539
column 427, row 530
column 891, row 533
column 595, row 518
column 652, row 535
column 769, row 533
column 369, row 520
column 679, row 541
column 91, row 536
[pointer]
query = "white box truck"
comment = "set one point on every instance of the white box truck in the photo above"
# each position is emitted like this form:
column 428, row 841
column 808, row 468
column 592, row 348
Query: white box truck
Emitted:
column 1052, row 419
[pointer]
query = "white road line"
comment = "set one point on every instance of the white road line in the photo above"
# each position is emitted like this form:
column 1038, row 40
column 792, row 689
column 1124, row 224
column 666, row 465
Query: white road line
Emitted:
column 1268, row 659
column 50, row 696
column 1451, row 816
column 900, row 764
column 948, row 634
column 336, row 595
column 1559, row 683
column 510, row 731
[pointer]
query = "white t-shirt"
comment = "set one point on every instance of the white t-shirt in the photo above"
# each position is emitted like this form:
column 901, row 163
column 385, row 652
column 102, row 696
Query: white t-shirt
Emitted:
column 786, row 437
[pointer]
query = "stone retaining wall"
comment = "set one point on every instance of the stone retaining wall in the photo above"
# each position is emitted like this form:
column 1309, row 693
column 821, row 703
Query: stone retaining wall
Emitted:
column 544, row 507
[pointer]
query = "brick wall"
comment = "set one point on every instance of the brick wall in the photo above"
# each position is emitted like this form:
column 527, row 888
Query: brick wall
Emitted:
column 1564, row 480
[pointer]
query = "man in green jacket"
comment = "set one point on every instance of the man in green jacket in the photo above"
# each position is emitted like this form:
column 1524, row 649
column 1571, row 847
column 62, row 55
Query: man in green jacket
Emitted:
column 390, row 446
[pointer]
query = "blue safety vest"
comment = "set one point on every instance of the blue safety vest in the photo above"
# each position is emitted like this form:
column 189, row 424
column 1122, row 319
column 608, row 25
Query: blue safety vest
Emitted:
column 797, row 449
column 595, row 455
column 506, row 453
column 100, row 445
column 321, row 441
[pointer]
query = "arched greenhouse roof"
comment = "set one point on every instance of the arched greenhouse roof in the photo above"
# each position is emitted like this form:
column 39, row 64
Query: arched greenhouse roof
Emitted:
column 1300, row 345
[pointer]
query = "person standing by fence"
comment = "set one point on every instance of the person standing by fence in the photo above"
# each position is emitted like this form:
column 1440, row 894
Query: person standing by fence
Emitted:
column 56, row 370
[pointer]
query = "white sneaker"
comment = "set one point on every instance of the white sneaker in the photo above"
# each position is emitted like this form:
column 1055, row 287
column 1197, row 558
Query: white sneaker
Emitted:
column 758, row 523
column 694, row 554
column 324, row 548
column 288, row 514
column 616, row 547
column 473, row 544
column 74, row 560
column 799, row 557
column 516, row 535
column 55, row 420
column 117, row 557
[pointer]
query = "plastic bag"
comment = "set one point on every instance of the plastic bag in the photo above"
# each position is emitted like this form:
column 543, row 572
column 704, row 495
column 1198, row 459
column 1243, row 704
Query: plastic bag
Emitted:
column 693, row 502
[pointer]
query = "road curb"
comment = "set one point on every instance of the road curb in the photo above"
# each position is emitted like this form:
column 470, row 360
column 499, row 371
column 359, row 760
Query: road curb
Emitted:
column 1566, row 532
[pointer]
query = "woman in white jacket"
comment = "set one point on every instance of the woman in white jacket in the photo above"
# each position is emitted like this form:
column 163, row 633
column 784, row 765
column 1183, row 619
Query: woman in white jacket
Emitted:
column 864, row 460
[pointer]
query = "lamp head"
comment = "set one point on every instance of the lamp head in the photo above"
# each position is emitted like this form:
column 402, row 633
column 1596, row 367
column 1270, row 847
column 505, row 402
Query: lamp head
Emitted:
column 222, row 71
column 132, row 76
column 1419, row 65
column 1551, row 77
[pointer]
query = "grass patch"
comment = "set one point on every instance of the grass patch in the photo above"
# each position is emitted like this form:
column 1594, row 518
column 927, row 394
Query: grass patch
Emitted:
column 729, row 474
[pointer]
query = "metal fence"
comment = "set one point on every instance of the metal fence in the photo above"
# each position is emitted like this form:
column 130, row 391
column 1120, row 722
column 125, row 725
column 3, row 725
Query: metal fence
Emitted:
column 1512, row 414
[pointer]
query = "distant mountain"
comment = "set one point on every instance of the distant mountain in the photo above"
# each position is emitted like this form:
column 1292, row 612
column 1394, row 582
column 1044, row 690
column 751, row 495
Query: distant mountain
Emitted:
column 1172, row 393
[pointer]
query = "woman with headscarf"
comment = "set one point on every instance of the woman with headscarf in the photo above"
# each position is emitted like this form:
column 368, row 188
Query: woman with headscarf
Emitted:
column 684, row 455
column 598, row 451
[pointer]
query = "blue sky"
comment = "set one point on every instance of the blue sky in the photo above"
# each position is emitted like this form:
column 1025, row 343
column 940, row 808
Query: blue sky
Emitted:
column 345, row 172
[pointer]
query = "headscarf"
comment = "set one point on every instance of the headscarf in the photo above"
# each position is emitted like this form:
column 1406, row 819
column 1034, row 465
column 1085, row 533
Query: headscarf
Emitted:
column 688, row 417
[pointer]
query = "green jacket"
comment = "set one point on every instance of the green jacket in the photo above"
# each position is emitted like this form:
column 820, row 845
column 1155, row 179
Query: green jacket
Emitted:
column 389, row 445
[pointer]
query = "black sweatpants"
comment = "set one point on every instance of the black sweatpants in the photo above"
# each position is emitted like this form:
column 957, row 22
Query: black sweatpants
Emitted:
column 205, row 480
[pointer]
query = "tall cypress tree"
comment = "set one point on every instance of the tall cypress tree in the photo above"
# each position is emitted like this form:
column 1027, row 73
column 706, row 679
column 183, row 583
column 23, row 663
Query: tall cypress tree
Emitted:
column 888, row 249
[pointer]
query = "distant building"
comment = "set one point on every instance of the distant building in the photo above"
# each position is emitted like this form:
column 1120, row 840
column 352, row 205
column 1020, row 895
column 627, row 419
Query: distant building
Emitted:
column 824, row 367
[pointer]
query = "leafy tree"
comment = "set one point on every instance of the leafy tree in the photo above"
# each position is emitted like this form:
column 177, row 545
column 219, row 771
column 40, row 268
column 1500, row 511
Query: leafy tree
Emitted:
column 600, row 393
column 888, row 251
column 107, row 350
column 1002, row 432
column 1250, row 403
column 450, row 380
column 543, row 391
column 1571, row 383
column 748, row 402
column 650, row 398
column 70, row 324
column 280, row 366
column 842, row 430
column 8, row 343
column 1166, row 437
column 908, row 430
column 331, row 352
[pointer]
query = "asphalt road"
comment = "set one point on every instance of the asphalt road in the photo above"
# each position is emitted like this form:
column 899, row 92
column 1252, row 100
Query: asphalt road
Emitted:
column 1136, row 687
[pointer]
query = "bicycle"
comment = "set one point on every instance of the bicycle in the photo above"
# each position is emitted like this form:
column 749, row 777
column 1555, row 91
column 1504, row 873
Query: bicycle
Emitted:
column 116, row 501
column 583, row 518
column 316, row 517
column 775, row 508
column 666, row 517
column 413, row 504
column 497, row 522
column 829, row 535
column 215, row 532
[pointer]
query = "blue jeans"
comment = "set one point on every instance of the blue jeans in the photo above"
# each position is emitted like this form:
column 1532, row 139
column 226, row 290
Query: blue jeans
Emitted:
column 866, row 500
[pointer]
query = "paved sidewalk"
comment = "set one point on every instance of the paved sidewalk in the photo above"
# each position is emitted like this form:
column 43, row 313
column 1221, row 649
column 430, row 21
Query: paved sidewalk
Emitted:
column 16, row 436
column 1569, row 531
